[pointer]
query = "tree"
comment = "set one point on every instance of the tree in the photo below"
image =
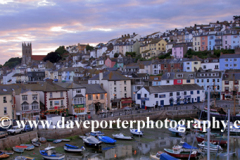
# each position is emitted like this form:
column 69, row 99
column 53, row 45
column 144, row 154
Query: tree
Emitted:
column 52, row 57
column 116, row 55
column 13, row 62
column 61, row 50
column 132, row 54
column 89, row 48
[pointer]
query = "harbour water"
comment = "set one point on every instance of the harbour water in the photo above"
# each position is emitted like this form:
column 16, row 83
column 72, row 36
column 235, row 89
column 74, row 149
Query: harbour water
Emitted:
column 140, row 148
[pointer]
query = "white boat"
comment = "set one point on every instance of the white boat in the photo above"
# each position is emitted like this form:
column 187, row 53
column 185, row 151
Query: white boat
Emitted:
column 179, row 130
column 71, row 148
column 122, row 136
column 49, row 153
column 213, row 147
column 136, row 132
column 91, row 141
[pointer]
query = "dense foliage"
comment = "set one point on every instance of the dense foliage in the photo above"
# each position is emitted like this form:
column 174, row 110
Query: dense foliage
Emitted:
column 13, row 62
column 132, row 54
column 52, row 57
column 89, row 48
column 207, row 54
column 61, row 50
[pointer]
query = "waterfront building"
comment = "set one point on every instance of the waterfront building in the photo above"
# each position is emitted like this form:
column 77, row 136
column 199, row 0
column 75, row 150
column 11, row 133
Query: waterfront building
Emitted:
column 6, row 103
column 229, row 61
column 210, row 64
column 151, row 96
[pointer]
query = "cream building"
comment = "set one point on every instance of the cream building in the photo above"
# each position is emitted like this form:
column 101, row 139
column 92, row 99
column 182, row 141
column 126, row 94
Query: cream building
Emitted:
column 6, row 103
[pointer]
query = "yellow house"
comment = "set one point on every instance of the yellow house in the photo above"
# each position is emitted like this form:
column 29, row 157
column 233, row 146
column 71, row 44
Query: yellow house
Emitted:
column 6, row 103
column 158, row 45
column 96, row 98
column 196, row 43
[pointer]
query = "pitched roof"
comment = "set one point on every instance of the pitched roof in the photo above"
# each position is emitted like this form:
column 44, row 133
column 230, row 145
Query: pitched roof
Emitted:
column 93, row 88
column 111, row 76
column 173, row 88
column 38, row 57
column 230, row 56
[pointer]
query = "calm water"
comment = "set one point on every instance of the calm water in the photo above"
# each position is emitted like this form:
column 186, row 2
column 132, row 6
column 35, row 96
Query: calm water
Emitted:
column 154, row 140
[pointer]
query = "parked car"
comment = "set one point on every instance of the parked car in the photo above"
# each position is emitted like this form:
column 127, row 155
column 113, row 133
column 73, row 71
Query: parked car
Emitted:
column 3, row 134
column 27, row 128
column 15, row 130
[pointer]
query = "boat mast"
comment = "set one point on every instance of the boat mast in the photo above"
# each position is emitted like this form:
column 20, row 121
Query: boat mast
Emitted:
column 208, row 133
column 234, row 94
column 228, row 145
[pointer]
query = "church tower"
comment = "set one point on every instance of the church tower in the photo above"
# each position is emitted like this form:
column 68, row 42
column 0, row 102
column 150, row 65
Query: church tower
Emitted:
column 26, row 53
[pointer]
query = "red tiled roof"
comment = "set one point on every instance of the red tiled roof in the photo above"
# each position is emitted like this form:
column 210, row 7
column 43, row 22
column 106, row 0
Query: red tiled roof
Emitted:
column 38, row 57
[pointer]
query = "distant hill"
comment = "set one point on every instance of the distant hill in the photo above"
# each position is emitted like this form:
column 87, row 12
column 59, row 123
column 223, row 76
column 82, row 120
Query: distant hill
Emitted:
column 13, row 62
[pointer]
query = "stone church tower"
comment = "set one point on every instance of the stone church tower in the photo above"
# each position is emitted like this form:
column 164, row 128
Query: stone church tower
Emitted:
column 26, row 53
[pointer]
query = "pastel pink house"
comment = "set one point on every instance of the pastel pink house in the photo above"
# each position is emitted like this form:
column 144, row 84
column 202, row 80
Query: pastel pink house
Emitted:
column 110, row 62
column 179, row 50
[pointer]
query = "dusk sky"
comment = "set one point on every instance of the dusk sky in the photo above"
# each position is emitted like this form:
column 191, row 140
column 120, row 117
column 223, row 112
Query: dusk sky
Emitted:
column 51, row 23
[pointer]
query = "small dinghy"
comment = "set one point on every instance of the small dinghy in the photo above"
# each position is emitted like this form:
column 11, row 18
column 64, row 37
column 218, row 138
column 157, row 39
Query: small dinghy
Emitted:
column 213, row 147
column 29, row 146
column 122, row 136
column 106, row 139
column 95, row 133
column 50, row 153
column 57, row 141
column 178, row 131
column 91, row 141
column 66, row 140
column 18, row 149
column 23, row 158
column 3, row 155
column 162, row 156
column 136, row 132
column 71, row 148
column 42, row 140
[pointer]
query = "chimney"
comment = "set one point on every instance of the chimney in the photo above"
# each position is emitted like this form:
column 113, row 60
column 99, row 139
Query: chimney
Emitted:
column 100, row 75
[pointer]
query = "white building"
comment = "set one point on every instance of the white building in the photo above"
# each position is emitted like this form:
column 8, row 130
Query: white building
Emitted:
column 151, row 96
column 212, row 64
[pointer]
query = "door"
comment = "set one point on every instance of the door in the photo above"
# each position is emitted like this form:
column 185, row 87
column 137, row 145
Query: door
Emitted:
column 223, row 97
column 198, row 99
column 162, row 103
column 192, row 100
column 143, row 104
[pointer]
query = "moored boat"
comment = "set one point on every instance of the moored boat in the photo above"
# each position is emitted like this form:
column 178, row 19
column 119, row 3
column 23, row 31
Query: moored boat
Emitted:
column 220, row 140
column 71, row 148
column 3, row 155
column 42, row 139
column 122, row 136
column 18, row 150
column 23, row 158
column 50, row 140
column 213, row 147
column 28, row 146
column 57, row 141
column 66, row 140
column 178, row 131
column 136, row 132
column 106, row 139
column 95, row 133
column 91, row 141
column 50, row 153
column 180, row 153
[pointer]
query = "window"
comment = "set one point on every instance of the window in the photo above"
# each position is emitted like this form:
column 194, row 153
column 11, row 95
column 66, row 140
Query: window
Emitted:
column 188, row 68
column 226, row 60
column 235, row 59
column 51, row 104
column 5, row 110
column 25, row 107
column 125, row 95
column 171, row 94
column 216, row 66
column 138, row 96
column 233, row 41
column 34, row 96
column 114, row 82
column 125, row 82
column 197, row 80
column 226, row 65
column 89, row 97
column 188, row 81
column 145, row 95
column 236, row 82
column 56, row 103
column 156, row 95
column 195, row 62
column 218, row 80
column 225, row 42
column 34, row 106
column 202, row 80
column 167, row 81
column 24, row 98
column 125, row 89
column 115, row 89
column 178, row 93
column 235, row 65
column 226, row 82
column 210, row 43
column 218, row 87
column 204, row 66
column 4, row 99
column 61, row 102
column 207, row 80
column 226, row 89
column 50, row 94
column 185, row 93
column 203, row 43
column 102, row 96
column 78, row 91
column 178, row 81
column 61, row 94
column 191, row 92
column 198, row 92
column 203, row 38
column 213, row 80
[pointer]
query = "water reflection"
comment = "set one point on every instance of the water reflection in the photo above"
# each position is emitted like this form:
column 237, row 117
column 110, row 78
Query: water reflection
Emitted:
column 119, row 152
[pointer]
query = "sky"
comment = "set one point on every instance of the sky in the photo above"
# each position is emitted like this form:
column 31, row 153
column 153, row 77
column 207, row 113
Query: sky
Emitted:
column 48, row 24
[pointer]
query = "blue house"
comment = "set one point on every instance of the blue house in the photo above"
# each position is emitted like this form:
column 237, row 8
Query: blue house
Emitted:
column 229, row 61
column 211, row 40
column 212, row 79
